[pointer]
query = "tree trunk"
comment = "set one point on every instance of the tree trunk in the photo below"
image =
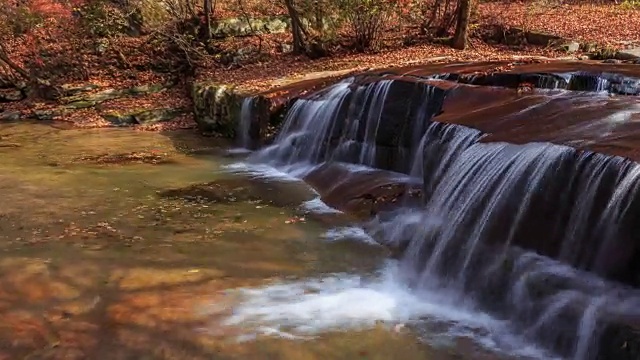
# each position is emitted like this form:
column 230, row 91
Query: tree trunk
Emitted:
column 4, row 57
column 297, row 30
column 462, row 26
column 319, row 14
column 207, row 19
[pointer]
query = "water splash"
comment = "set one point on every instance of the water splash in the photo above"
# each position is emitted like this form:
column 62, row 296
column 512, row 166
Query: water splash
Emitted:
column 339, row 302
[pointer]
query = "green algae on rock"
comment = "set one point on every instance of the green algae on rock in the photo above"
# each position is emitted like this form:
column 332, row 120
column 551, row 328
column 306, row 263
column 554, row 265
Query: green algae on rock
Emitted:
column 218, row 107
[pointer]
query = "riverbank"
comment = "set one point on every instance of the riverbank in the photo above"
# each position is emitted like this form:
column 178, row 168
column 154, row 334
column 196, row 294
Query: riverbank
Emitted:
column 125, row 81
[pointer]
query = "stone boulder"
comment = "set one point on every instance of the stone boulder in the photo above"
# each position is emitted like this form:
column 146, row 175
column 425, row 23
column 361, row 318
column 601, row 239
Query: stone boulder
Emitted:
column 243, row 27
column 82, row 100
column 9, row 116
column 629, row 54
column 216, row 108
column 10, row 95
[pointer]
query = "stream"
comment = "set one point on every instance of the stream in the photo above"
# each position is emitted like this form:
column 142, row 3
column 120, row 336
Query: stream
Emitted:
column 97, row 263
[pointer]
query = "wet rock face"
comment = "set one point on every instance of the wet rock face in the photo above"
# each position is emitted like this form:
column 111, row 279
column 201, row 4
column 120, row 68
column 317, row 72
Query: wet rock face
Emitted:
column 537, row 157
column 219, row 109
column 364, row 193
column 216, row 108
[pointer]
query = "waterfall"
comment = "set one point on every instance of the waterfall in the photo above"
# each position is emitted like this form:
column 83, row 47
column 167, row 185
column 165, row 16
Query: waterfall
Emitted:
column 534, row 232
column 244, row 124
column 350, row 122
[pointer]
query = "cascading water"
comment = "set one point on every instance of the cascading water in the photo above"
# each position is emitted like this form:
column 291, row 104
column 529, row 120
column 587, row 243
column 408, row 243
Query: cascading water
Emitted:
column 349, row 122
column 244, row 124
column 495, row 214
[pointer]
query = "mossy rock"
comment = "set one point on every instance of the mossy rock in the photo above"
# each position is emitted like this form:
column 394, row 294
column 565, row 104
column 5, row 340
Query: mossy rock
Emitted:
column 71, row 90
column 157, row 115
column 120, row 119
column 146, row 89
column 94, row 98
column 80, row 104
column 603, row 53
column 217, row 108
column 143, row 116
column 10, row 95
column 10, row 116
column 82, row 100
column 46, row 115
column 244, row 27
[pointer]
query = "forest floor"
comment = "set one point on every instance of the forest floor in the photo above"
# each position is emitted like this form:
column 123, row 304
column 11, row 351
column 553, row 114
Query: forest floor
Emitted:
column 604, row 24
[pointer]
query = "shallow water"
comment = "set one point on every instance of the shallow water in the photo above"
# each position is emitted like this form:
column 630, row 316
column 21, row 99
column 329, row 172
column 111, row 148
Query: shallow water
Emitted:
column 95, row 263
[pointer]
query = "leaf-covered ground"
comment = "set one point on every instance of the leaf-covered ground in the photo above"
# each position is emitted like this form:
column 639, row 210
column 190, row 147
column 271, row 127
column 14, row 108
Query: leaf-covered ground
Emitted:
column 128, row 61
column 603, row 23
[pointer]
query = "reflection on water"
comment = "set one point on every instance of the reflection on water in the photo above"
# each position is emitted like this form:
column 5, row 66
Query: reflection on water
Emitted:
column 99, row 262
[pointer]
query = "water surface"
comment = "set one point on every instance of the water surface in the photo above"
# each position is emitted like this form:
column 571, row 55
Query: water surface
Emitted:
column 96, row 263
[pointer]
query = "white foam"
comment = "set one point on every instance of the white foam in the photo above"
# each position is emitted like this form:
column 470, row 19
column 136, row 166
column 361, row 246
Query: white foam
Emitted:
column 259, row 171
column 303, row 309
column 349, row 233
column 357, row 168
column 336, row 302
column 238, row 151
column 319, row 207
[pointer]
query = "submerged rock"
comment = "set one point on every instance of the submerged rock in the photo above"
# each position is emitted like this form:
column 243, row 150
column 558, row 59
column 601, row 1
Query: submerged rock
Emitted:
column 128, row 158
column 214, row 192
column 226, row 191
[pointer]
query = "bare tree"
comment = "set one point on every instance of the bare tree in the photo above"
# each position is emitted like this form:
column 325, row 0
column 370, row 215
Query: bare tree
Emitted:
column 208, row 9
column 460, row 38
column 319, row 15
column 298, row 31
